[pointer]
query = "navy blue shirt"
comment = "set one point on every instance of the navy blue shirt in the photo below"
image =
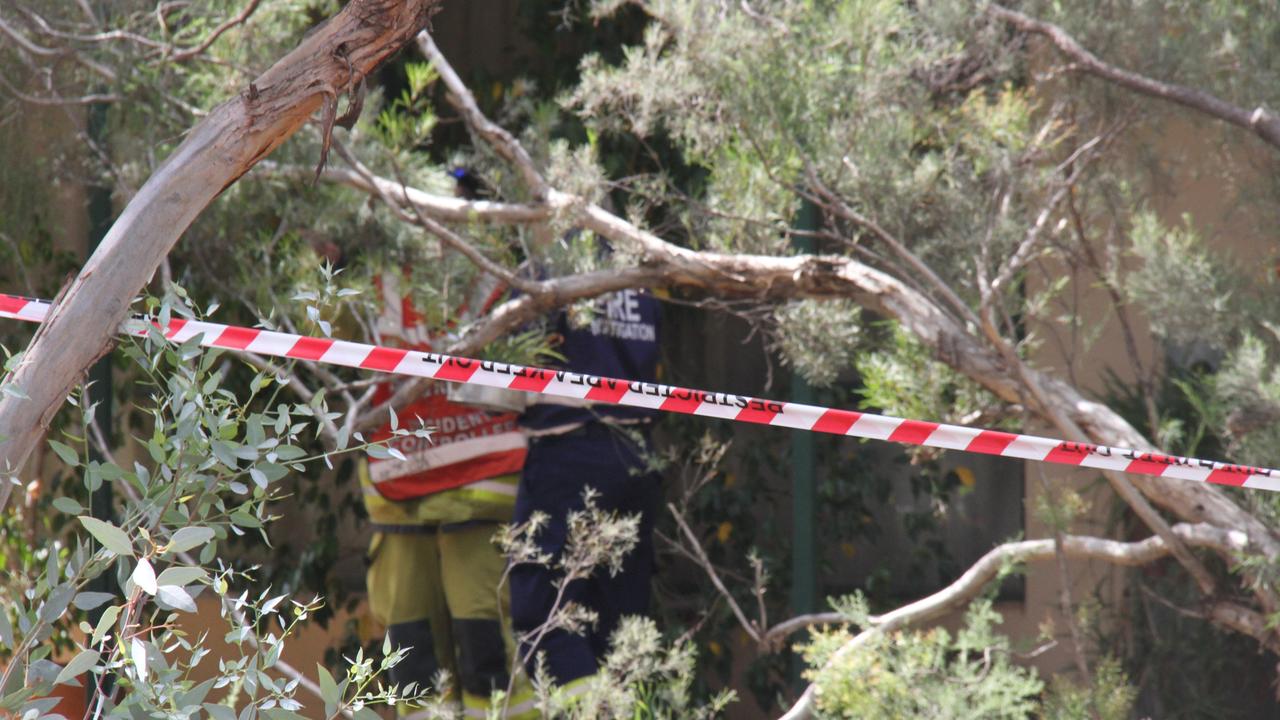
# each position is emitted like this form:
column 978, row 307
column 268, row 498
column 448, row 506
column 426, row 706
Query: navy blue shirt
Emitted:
column 620, row 341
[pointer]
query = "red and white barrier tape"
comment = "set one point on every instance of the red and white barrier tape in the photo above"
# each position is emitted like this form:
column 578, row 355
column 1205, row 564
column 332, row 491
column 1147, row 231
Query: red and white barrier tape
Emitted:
column 683, row 400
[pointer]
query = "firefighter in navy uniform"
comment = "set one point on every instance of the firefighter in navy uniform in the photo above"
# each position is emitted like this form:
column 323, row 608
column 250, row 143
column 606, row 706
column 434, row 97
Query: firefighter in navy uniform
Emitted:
column 434, row 573
column 574, row 446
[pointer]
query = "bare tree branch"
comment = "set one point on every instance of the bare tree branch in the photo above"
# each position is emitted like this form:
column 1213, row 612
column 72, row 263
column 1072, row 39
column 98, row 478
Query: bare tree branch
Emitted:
column 1260, row 121
column 971, row 583
column 695, row 546
column 26, row 44
column 239, row 18
column 439, row 207
column 497, row 137
column 447, row 236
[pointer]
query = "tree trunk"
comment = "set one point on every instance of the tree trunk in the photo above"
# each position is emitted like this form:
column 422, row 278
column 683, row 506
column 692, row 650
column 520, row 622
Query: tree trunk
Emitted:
column 332, row 60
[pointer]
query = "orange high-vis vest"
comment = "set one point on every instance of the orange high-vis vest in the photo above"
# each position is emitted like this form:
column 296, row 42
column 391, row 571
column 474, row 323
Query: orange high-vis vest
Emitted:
column 467, row 444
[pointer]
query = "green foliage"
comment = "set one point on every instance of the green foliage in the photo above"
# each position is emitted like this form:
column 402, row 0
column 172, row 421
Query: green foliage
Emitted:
column 819, row 338
column 643, row 678
column 209, row 469
column 765, row 102
column 905, row 380
column 1200, row 311
column 408, row 121
column 1110, row 697
column 922, row 674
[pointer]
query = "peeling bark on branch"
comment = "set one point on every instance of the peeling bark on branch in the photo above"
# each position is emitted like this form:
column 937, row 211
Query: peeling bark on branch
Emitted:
column 230, row 140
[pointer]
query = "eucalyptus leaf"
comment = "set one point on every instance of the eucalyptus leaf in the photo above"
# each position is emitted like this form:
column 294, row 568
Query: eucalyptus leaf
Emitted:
column 57, row 603
column 108, row 619
column 173, row 596
column 179, row 575
column 328, row 691
column 91, row 600
column 6, row 628
column 138, row 655
column 290, row 452
column 111, row 537
column 83, row 660
column 67, row 505
column 219, row 712
column 144, row 576
column 188, row 538
column 224, row 452
column 65, row 453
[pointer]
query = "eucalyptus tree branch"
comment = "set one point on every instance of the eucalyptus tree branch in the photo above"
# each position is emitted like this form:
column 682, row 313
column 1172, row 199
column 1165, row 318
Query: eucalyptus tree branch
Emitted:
column 439, row 207
column 215, row 153
column 86, row 99
column 1031, row 382
column 408, row 212
column 1260, row 121
column 974, row 580
column 105, row 36
column 1018, row 260
column 284, row 667
column 764, row 277
column 498, row 138
column 1119, row 481
column 842, row 209
column 27, row 44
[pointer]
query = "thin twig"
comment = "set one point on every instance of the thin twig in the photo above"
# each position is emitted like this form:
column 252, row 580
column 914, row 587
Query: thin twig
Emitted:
column 752, row 628
column 1262, row 122
column 243, row 15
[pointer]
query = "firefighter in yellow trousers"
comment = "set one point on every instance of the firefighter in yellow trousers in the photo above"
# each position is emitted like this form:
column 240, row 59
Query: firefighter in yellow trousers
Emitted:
column 434, row 574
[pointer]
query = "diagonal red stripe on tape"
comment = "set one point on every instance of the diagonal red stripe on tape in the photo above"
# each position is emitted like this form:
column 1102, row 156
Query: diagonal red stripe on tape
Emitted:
column 531, row 380
column 913, row 431
column 11, row 304
column 173, row 328
column 235, row 338
column 836, row 422
column 1147, row 464
column 384, row 359
column 687, row 404
column 1224, row 476
column 308, row 348
column 1068, row 453
column 992, row 442
column 753, row 414
column 457, row 369
column 609, row 390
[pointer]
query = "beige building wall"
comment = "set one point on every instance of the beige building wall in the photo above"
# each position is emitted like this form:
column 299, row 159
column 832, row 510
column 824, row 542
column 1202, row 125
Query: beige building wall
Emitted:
column 1196, row 187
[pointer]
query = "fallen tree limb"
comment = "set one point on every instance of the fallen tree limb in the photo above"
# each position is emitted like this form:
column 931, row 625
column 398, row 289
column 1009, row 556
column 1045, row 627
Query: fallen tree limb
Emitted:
column 974, row 580
column 768, row 277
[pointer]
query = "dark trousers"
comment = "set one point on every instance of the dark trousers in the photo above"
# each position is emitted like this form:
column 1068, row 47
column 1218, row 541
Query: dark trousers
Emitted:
column 556, row 472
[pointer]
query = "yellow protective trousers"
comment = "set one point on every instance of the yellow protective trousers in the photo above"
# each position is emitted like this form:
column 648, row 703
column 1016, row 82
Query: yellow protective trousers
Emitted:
column 435, row 588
